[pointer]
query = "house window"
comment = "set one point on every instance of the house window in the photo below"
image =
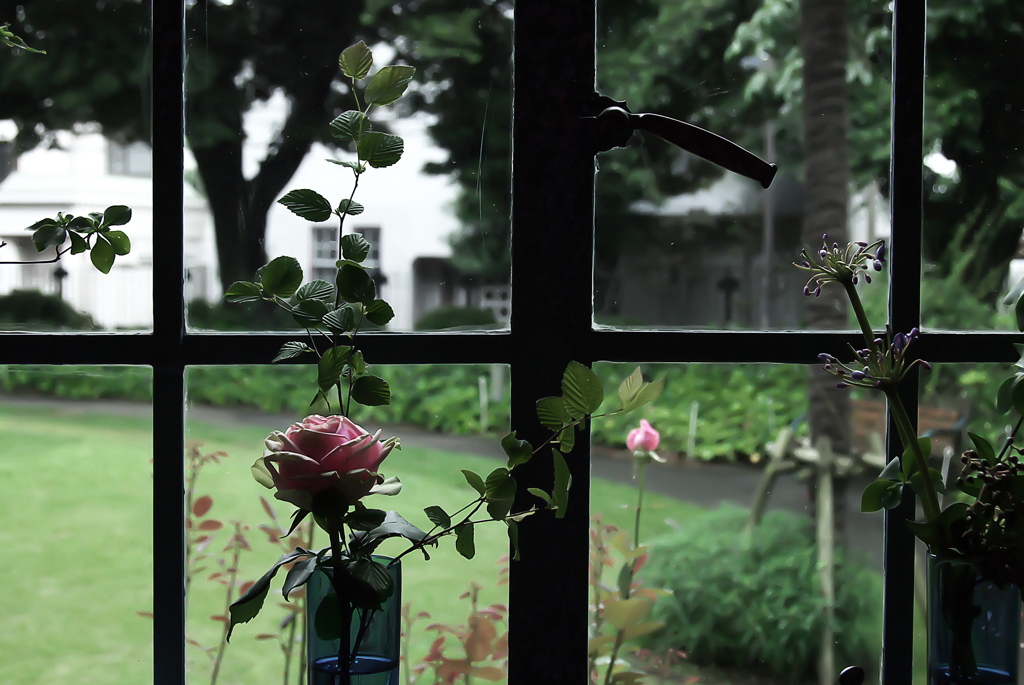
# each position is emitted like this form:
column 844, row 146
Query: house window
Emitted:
column 325, row 252
column 551, row 321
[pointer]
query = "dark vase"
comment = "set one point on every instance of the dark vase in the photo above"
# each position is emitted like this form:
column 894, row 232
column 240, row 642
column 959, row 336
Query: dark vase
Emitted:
column 973, row 627
column 374, row 636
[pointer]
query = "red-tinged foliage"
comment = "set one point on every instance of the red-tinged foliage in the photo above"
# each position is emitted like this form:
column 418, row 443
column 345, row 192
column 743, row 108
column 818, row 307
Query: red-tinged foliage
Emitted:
column 211, row 524
column 201, row 506
column 219, row 617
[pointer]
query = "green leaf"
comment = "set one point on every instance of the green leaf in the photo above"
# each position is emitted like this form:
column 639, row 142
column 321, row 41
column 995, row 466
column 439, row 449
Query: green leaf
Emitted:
column 330, row 366
column 1004, row 396
column 315, row 290
column 364, row 518
column 350, row 207
column 552, row 413
column 517, row 451
column 567, row 439
column 513, row 537
column 327, row 619
column 354, row 166
column 310, row 313
column 983, row 447
column 648, row 393
column 341, row 320
column 537, row 492
column 374, row 575
column 117, row 215
column 78, row 243
column 380, row 150
column 464, row 540
column 475, row 481
column 582, row 390
column 499, row 484
column 290, row 350
column 245, row 608
column 243, row 291
column 102, row 254
column 1014, row 294
column 308, row 204
column 119, row 241
column 1017, row 396
column 917, row 482
column 355, row 61
column 298, row 575
column 281, row 277
column 355, row 285
column 49, row 235
column 379, row 312
column 563, row 480
column 881, row 494
column 910, row 461
column 371, row 391
column 438, row 516
column 388, row 84
column 355, row 247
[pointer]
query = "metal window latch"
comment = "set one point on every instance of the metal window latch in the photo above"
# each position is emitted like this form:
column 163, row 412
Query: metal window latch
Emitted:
column 613, row 126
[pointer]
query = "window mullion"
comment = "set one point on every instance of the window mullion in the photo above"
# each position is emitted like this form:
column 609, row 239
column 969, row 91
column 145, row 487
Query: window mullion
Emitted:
column 905, row 306
column 551, row 315
column 168, row 324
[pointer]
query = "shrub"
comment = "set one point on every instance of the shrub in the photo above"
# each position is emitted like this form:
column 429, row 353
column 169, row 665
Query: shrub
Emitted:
column 225, row 316
column 757, row 606
column 455, row 317
column 41, row 311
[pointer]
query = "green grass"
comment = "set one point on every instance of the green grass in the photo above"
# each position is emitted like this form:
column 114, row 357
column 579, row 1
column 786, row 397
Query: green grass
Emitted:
column 78, row 540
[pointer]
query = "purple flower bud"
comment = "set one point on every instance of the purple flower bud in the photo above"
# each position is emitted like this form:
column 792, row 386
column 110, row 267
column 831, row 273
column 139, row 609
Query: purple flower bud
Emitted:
column 879, row 341
column 842, row 385
column 858, row 375
column 867, row 278
column 805, row 264
column 914, row 332
column 899, row 341
column 823, row 253
column 855, row 280
column 862, row 243
column 880, row 253
column 878, row 384
column 824, row 237
column 877, row 265
column 817, row 291
column 926, row 365
column 807, row 291
column 825, row 357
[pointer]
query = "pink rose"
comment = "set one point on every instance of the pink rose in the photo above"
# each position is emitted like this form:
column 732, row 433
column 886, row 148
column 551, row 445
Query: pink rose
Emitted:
column 644, row 438
column 326, row 452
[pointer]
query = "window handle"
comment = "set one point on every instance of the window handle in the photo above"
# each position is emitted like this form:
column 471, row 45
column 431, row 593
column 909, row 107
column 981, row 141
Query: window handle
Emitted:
column 615, row 124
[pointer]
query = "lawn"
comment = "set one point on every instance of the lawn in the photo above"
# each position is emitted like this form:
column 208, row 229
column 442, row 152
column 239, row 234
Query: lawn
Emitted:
column 79, row 546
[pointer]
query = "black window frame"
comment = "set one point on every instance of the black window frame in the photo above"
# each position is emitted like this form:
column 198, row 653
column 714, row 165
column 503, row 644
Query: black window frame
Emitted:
column 551, row 324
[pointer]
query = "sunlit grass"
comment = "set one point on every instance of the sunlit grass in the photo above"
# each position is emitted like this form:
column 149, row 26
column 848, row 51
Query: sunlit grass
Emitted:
column 79, row 547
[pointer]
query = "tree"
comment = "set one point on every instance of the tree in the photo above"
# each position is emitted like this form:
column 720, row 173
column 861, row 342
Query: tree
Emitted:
column 238, row 54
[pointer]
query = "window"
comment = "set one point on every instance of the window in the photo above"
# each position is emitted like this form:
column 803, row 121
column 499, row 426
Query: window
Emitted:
column 551, row 315
column 325, row 252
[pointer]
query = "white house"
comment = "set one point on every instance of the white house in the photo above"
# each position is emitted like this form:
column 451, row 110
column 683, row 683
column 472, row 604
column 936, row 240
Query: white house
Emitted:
column 407, row 219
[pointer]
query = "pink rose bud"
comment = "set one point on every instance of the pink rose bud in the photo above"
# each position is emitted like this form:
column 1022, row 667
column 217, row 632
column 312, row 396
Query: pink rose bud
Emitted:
column 643, row 438
column 326, row 452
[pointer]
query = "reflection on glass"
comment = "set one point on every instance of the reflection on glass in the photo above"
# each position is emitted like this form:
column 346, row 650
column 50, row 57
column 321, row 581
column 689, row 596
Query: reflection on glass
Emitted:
column 680, row 242
column 728, row 521
column 74, row 141
column 78, row 495
column 973, row 178
column 259, row 103
column 447, row 417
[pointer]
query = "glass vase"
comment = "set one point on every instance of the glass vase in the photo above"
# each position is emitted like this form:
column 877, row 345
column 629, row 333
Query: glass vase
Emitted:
column 973, row 627
column 375, row 636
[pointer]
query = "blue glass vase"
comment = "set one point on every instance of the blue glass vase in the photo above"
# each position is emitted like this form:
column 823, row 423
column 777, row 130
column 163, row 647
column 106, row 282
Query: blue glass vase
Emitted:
column 973, row 627
column 375, row 636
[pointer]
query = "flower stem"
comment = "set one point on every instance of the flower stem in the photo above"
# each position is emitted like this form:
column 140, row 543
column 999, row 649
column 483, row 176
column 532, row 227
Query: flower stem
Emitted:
column 344, row 609
column 930, row 500
column 862, row 316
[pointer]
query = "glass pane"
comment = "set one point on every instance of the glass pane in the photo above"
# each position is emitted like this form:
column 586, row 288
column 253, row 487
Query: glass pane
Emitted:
column 972, row 207
column 78, row 482
column 450, row 422
column 74, row 140
column 259, row 105
column 957, row 399
column 682, row 243
column 728, row 523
